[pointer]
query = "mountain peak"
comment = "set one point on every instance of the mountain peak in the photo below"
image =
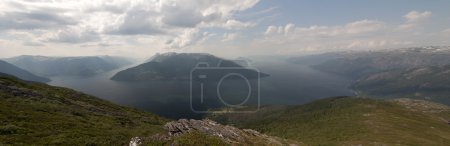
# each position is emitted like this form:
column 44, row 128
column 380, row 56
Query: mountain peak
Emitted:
column 159, row 57
column 174, row 66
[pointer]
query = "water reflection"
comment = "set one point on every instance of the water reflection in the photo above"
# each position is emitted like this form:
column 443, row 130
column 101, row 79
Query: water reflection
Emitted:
column 287, row 84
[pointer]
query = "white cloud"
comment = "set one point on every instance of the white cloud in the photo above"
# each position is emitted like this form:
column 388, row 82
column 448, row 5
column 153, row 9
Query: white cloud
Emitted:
column 362, row 34
column 72, row 36
column 234, row 24
column 364, row 26
column 174, row 20
column 229, row 36
column 271, row 30
column 289, row 28
column 353, row 28
column 186, row 38
column 415, row 19
column 132, row 27
column 415, row 16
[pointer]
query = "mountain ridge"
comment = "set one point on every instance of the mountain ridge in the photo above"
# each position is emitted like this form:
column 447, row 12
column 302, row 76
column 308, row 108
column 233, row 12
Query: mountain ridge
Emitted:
column 174, row 66
column 11, row 69
column 68, row 66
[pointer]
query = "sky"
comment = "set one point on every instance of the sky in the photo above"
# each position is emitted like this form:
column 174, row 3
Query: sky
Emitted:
column 230, row 28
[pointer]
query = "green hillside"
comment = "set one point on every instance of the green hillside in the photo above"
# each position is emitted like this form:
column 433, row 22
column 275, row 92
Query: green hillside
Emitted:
column 351, row 121
column 430, row 83
column 38, row 114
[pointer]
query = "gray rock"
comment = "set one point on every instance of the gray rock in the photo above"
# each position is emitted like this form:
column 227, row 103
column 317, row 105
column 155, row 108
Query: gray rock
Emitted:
column 228, row 134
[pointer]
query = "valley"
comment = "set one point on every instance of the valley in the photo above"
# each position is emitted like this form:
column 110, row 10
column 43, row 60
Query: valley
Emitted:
column 224, row 73
column 300, row 103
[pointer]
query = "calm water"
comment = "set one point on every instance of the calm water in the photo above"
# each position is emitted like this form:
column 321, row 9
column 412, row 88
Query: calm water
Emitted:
column 287, row 84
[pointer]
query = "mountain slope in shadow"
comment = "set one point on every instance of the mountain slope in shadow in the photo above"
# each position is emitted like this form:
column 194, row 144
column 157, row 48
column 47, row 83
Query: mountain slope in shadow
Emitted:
column 8, row 68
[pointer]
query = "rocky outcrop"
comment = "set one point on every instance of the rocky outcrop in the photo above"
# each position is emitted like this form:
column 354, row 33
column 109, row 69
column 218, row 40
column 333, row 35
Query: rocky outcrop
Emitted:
column 228, row 134
column 421, row 105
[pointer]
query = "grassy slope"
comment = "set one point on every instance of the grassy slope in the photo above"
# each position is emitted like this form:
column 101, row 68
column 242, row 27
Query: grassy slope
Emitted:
column 39, row 114
column 348, row 121
column 431, row 83
column 33, row 113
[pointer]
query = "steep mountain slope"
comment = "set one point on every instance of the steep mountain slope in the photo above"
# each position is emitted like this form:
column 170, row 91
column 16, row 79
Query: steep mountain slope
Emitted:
column 430, row 83
column 351, row 121
column 360, row 64
column 173, row 66
column 8, row 68
column 69, row 66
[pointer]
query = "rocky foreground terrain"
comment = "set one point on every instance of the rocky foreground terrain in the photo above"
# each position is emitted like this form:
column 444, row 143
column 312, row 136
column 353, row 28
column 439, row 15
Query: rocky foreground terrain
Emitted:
column 225, row 134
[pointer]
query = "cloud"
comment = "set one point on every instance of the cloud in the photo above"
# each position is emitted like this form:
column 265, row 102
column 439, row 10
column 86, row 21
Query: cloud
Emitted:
column 186, row 38
column 72, row 36
column 235, row 24
column 229, row 37
column 33, row 44
column 33, row 20
column 137, row 22
column 362, row 34
column 273, row 30
column 289, row 28
column 136, row 26
column 415, row 19
column 415, row 16
column 173, row 20
column 179, row 16
column 354, row 28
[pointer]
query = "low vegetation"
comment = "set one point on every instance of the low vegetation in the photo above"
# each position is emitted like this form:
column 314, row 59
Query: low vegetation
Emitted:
column 38, row 114
column 347, row 121
column 428, row 83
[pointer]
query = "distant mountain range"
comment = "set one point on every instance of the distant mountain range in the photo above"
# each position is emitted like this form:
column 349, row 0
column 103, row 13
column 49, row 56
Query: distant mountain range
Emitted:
column 177, row 66
column 10, row 69
column 430, row 83
column 68, row 66
column 361, row 63
column 419, row 72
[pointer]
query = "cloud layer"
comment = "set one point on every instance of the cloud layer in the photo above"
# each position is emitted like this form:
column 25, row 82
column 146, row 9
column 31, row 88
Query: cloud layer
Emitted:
column 143, row 27
column 88, row 21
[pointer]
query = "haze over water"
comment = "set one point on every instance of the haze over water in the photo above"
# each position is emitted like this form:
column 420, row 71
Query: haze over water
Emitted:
column 287, row 84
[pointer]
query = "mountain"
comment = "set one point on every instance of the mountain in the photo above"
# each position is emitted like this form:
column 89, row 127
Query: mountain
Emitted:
column 8, row 68
column 314, row 59
column 428, row 83
column 38, row 114
column 361, row 63
column 351, row 121
column 68, row 66
column 177, row 66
